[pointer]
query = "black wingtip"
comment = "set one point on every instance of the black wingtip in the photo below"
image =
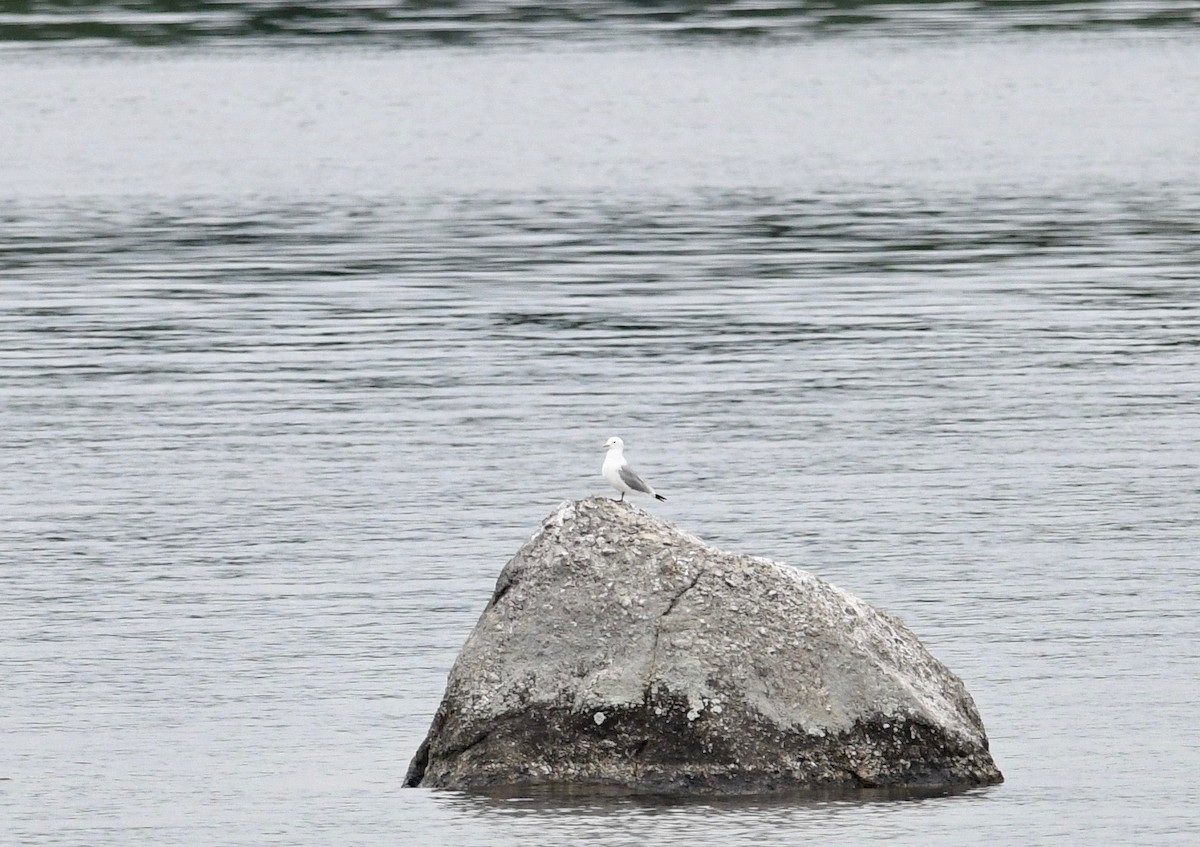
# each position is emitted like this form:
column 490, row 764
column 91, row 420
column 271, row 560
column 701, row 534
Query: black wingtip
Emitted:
column 660, row 497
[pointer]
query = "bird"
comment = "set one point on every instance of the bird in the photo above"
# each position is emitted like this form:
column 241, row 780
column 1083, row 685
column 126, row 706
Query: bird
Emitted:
column 619, row 475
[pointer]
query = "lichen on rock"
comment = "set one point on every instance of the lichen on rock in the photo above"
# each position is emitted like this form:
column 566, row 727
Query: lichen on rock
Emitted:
column 619, row 651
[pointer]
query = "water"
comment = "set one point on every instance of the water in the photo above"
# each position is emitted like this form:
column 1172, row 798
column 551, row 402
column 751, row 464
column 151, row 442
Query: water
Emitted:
column 297, row 346
column 490, row 23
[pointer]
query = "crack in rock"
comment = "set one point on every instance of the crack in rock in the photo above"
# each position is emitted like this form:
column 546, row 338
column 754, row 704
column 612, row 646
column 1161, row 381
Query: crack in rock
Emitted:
column 658, row 633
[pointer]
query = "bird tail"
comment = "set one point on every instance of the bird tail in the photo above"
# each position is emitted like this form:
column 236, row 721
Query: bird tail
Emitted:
column 660, row 497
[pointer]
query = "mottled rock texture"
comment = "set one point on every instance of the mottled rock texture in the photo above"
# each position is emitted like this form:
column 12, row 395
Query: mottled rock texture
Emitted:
column 619, row 651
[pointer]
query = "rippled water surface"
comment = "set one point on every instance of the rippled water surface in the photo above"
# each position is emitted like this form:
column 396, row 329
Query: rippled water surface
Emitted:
column 297, row 348
column 492, row 22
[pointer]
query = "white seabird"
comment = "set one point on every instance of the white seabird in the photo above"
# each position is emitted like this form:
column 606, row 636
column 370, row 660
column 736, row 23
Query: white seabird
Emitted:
column 618, row 473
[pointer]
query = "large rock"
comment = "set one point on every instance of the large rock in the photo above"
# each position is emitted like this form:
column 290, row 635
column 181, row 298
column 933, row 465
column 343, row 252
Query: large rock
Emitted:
column 620, row 651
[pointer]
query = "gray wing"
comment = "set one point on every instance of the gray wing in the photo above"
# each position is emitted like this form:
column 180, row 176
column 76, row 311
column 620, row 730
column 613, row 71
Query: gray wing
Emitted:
column 634, row 481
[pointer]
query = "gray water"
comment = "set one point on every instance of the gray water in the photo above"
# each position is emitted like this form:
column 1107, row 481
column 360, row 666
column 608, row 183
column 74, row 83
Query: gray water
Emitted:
column 297, row 347
column 515, row 22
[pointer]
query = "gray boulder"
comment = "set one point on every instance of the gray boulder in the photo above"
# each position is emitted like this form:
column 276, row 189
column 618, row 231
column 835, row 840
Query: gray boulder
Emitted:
column 619, row 651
